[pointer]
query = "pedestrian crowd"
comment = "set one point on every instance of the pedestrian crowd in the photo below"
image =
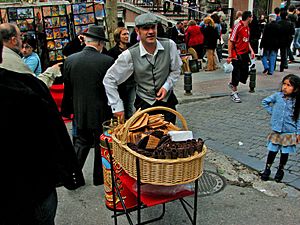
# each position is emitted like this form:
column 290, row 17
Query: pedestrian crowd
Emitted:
column 138, row 72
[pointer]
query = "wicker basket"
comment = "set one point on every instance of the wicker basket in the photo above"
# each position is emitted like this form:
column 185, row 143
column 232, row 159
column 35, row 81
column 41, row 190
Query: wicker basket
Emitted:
column 166, row 172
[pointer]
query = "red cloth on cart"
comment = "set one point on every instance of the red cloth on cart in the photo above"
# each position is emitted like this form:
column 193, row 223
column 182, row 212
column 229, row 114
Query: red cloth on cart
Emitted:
column 57, row 92
column 151, row 200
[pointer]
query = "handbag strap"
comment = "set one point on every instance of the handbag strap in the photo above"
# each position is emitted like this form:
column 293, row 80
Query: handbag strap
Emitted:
column 36, row 66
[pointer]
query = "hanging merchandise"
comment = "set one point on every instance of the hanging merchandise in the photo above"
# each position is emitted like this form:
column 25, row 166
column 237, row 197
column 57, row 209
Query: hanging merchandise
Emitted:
column 23, row 17
column 56, row 29
column 83, row 15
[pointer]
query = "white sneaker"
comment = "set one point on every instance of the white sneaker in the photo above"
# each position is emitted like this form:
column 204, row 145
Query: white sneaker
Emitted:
column 235, row 97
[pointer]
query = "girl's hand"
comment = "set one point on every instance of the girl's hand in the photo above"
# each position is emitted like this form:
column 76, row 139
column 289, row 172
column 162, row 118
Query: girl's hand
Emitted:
column 298, row 138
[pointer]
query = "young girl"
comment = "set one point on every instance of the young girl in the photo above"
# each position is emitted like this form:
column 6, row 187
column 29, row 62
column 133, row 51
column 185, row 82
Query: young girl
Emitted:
column 284, row 106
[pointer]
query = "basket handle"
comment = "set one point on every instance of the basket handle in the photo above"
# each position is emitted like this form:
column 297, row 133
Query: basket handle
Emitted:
column 139, row 114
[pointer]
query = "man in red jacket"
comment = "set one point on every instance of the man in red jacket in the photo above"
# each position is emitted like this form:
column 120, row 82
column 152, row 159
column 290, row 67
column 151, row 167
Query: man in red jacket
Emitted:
column 238, row 53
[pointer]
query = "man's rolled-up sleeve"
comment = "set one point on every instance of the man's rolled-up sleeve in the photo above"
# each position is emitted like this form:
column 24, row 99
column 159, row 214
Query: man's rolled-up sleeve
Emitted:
column 119, row 72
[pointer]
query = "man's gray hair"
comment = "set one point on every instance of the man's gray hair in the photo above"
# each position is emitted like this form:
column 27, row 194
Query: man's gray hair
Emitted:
column 272, row 17
column 90, row 39
column 7, row 31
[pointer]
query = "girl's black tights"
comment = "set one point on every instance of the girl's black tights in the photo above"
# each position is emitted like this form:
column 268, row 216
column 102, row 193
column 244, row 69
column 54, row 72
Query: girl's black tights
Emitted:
column 283, row 159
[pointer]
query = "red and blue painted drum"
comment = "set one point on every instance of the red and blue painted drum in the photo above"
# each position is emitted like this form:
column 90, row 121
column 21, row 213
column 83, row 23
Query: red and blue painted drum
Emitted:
column 127, row 196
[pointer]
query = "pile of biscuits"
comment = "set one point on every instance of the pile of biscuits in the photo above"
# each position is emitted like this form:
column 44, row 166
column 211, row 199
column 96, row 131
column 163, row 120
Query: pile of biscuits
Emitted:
column 143, row 126
column 148, row 135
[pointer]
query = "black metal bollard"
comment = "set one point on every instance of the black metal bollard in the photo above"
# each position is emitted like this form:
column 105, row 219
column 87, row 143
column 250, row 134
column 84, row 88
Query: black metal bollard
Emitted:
column 252, row 75
column 188, row 83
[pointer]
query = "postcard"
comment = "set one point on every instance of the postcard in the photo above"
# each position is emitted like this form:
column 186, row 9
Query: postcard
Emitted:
column 30, row 24
column 75, row 9
column 50, row 45
column 52, row 56
column 84, row 28
column 46, row 11
column 77, row 20
column 24, row 13
column 23, row 25
column 56, row 33
column 48, row 22
column 55, row 22
column 91, row 18
column 89, row 8
column 59, row 55
column 83, row 19
column 65, row 42
column 82, row 8
column 49, row 34
column 64, row 32
column 63, row 21
column 12, row 13
column 54, row 10
column 78, row 30
column 58, row 44
column 62, row 10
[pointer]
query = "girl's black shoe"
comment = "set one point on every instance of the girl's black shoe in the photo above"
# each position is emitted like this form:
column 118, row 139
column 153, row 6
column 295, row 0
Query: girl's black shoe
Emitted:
column 266, row 174
column 279, row 175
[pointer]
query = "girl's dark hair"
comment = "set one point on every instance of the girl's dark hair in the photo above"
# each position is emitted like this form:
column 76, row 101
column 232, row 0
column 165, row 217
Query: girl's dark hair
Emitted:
column 30, row 40
column 295, row 82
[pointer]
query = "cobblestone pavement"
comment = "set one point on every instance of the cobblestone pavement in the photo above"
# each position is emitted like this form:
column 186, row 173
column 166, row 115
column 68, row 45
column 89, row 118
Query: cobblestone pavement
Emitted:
column 239, row 128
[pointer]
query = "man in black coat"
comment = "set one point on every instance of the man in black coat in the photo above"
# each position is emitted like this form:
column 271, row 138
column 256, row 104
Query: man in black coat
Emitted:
column 177, row 33
column 287, row 31
column 36, row 151
column 270, row 45
column 84, row 95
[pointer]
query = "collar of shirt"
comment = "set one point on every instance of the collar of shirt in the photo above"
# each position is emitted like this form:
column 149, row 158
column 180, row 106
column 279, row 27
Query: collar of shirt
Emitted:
column 143, row 51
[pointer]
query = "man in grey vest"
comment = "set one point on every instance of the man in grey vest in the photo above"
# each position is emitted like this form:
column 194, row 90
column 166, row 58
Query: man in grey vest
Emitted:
column 155, row 65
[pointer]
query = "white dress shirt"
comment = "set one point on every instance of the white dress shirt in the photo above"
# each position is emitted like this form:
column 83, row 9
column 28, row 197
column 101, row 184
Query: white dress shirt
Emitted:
column 123, row 68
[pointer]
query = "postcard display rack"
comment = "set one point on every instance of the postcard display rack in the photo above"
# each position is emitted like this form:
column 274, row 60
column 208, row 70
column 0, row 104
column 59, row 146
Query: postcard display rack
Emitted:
column 24, row 18
column 83, row 15
column 55, row 21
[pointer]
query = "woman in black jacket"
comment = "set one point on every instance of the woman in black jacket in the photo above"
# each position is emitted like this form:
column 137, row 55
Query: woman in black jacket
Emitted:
column 211, row 37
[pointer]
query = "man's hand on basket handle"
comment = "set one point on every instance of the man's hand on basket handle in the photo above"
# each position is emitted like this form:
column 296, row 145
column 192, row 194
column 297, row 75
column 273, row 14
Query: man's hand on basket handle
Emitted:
column 120, row 116
column 161, row 94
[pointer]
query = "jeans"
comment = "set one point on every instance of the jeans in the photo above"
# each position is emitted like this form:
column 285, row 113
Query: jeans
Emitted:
column 269, row 60
column 220, row 51
column 297, row 38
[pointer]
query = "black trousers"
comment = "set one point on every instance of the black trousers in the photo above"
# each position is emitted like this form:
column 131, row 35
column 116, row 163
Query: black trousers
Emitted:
column 240, row 70
column 171, row 103
column 86, row 139
column 283, row 58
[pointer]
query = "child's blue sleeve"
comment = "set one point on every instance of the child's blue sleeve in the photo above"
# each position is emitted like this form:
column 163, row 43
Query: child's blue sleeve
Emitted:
column 266, row 103
column 298, row 126
column 32, row 63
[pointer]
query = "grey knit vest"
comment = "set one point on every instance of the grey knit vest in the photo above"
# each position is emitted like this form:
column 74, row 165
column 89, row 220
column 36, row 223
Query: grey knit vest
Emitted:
column 150, row 78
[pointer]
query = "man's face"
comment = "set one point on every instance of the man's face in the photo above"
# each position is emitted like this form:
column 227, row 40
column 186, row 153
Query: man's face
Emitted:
column 17, row 41
column 250, row 19
column 148, row 34
column 124, row 36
